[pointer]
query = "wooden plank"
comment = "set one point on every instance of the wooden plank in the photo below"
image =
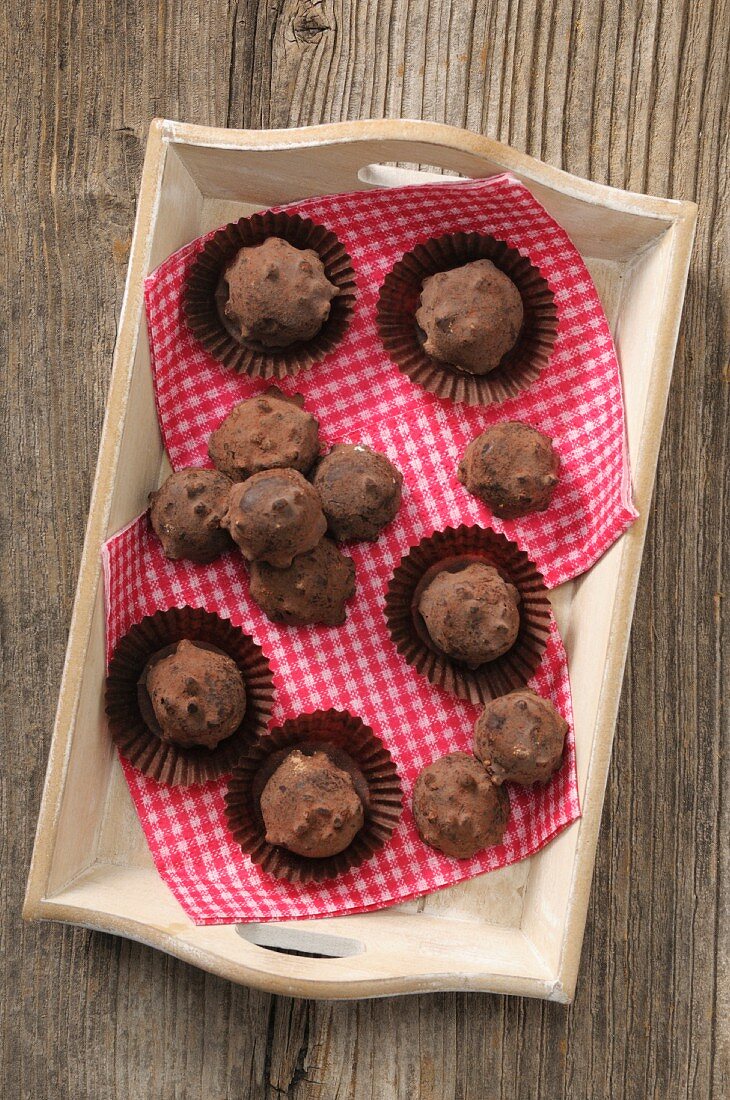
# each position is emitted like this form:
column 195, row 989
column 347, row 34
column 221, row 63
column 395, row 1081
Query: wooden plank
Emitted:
column 631, row 94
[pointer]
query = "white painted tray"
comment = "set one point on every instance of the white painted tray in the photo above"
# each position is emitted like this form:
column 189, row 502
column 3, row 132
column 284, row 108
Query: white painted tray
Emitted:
column 518, row 930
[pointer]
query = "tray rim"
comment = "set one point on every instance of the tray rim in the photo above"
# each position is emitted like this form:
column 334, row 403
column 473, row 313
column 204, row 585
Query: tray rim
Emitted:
column 679, row 215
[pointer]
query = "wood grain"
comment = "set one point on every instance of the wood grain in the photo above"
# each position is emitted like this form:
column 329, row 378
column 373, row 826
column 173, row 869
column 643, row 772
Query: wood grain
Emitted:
column 628, row 93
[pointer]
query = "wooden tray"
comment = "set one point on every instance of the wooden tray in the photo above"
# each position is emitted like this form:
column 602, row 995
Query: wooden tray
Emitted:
column 518, row 930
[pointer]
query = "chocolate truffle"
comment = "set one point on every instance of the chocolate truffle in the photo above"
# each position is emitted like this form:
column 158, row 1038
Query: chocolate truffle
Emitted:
column 314, row 589
column 310, row 806
column 519, row 738
column 471, row 316
column 265, row 433
column 471, row 615
column 360, row 491
column 198, row 696
column 457, row 807
column 512, row 468
column 277, row 294
column 273, row 516
column 186, row 513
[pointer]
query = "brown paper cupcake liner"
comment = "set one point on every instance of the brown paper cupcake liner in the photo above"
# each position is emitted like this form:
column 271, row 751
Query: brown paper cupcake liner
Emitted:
column 454, row 549
column 352, row 746
column 403, row 339
column 129, row 710
column 206, row 291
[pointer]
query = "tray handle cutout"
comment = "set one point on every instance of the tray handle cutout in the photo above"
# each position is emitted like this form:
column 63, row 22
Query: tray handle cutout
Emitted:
column 295, row 941
column 400, row 173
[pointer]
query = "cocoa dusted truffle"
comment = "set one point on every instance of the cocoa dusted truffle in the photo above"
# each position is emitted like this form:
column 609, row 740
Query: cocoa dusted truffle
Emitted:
column 360, row 490
column 265, row 433
column 471, row 615
column 197, row 694
column 314, row 589
column 511, row 467
column 457, row 808
column 186, row 513
column 273, row 516
column 310, row 806
column 471, row 316
column 519, row 738
column 277, row 294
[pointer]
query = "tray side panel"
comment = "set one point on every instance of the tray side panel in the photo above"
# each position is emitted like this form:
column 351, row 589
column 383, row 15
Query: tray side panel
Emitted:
column 138, row 460
column 43, row 869
column 401, row 953
column 646, row 337
column 266, row 176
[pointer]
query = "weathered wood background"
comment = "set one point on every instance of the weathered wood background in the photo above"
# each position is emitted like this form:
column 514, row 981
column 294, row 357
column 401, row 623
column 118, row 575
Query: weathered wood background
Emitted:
column 628, row 92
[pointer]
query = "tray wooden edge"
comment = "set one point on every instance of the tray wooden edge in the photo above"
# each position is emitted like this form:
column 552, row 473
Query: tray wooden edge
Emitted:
column 643, row 477
column 681, row 219
column 438, row 135
column 296, row 983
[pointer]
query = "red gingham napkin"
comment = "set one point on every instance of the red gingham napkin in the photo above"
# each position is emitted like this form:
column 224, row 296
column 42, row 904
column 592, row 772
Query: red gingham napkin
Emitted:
column 359, row 395
column 354, row 667
column 577, row 399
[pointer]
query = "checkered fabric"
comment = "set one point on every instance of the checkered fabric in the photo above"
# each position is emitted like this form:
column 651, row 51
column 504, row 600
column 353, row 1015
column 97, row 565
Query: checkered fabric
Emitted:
column 577, row 399
column 359, row 395
column 354, row 667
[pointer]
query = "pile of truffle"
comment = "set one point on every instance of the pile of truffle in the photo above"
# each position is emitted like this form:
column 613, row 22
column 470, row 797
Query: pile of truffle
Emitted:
column 283, row 506
column 459, row 803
